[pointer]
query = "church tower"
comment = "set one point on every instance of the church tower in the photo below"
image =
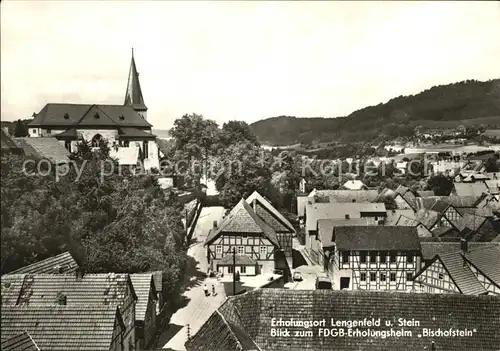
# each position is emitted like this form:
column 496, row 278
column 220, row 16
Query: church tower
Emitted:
column 133, row 96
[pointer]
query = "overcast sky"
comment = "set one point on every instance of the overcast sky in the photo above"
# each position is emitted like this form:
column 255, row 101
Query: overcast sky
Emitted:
column 240, row 60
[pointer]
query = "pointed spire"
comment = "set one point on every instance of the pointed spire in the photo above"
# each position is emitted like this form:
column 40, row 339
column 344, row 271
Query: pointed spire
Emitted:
column 133, row 96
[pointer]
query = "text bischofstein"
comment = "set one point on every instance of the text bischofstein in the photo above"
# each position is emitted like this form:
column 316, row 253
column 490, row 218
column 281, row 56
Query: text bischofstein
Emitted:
column 372, row 322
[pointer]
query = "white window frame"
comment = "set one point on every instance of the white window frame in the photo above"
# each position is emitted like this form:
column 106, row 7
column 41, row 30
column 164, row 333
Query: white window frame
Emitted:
column 263, row 250
column 241, row 250
column 218, row 249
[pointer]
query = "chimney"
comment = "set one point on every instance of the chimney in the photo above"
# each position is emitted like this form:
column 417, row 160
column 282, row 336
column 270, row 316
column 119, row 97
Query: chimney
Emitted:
column 57, row 269
column 79, row 273
column 464, row 245
column 215, row 225
column 347, row 216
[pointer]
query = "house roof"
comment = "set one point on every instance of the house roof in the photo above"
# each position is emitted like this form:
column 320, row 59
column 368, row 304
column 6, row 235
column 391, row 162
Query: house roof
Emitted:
column 405, row 221
column 144, row 287
column 241, row 260
column 470, row 189
column 354, row 185
column 401, row 189
column 470, row 221
column 326, row 227
column 247, row 317
column 431, row 249
column 493, row 186
column 7, row 144
column 393, row 216
column 130, row 132
column 81, row 115
column 461, row 201
column 11, row 288
column 19, row 342
column 62, row 263
column 486, row 260
column 269, row 213
column 242, row 219
column 62, row 327
column 133, row 95
column 376, row 238
column 158, row 278
column 105, row 288
column 427, row 217
column 70, row 133
column 460, row 273
column 439, row 206
column 44, row 147
column 425, row 193
column 348, row 195
column 492, row 133
column 315, row 211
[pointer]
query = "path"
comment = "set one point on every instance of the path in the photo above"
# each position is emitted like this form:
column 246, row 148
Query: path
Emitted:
column 199, row 307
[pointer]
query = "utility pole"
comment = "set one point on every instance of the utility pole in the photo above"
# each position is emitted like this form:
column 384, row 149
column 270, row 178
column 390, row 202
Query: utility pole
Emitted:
column 234, row 270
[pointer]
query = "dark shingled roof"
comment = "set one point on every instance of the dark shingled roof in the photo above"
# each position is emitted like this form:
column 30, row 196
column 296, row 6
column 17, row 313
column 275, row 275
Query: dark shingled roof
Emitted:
column 248, row 316
column 269, row 213
column 135, row 133
column 106, row 288
column 348, row 195
column 461, row 274
column 377, row 238
column 241, row 260
column 326, row 227
column 242, row 219
column 20, row 342
column 58, row 327
column 11, row 288
column 62, row 263
column 8, row 145
column 81, row 115
column 431, row 249
column 144, row 287
column 133, row 95
column 44, row 147
column 487, row 261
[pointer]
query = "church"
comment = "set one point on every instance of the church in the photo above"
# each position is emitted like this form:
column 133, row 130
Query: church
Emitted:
column 124, row 127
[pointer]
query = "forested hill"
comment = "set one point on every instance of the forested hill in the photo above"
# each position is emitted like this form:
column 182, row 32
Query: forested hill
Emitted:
column 445, row 106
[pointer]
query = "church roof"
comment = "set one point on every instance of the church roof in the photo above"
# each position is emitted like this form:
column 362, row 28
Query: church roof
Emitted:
column 134, row 133
column 133, row 96
column 81, row 115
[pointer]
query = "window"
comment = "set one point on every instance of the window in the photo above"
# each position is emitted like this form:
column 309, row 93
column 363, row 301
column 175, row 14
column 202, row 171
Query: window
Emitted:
column 383, row 277
column 241, row 250
column 34, row 131
column 440, row 275
column 409, row 277
column 393, row 277
column 263, row 250
column 345, row 257
column 393, row 257
column 383, row 257
column 409, row 257
column 363, row 257
column 373, row 277
column 363, row 277
column 230, row 269
column 146, row 153
column 243, row 269
column 67, row 145
column 218, row 249
column 373, row 256
column 49, row 131
column 126, row 143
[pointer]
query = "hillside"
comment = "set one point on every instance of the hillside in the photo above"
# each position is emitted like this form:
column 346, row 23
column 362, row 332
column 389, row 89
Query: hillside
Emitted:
column 469, row 102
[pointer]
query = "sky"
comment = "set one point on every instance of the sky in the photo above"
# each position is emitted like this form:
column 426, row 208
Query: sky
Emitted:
column 240, row 60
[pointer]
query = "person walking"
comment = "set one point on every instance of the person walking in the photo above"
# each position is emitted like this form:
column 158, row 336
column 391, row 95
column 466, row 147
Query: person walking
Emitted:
column 213, row 289
column 205, row 289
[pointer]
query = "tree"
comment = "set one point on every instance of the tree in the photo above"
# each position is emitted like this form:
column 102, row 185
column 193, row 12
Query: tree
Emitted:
column 440, row 184
column 20, row 129
column 236, row 132
column 491, row 164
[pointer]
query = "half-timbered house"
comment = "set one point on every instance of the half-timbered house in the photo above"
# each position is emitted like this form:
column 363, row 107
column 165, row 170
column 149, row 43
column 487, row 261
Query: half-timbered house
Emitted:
column 470, row 272
column 145, row 309
column 269, row 214
column 244, row 233
column 374, row 257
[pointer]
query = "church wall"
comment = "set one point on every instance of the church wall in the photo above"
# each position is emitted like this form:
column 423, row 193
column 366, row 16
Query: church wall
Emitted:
column 109, row 134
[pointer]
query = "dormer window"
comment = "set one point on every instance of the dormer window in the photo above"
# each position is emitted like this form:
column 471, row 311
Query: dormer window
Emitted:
column 122, row 117
column 66, row 116
column 96, row 116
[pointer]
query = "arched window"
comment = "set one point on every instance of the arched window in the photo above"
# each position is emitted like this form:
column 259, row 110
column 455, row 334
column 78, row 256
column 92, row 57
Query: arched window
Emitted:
column 96, row 140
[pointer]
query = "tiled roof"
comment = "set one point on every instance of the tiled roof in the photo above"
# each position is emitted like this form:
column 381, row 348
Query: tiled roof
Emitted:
column 11, row 288
column 62, row 327
column 339, row 211
column 7, row 144
column 394, row 215
column 487, row 260
column 431, row 249
column 348, row 195
column 62, row 263
column 143, row 285
column 274, row 215
column 44, row 147
column 385, row 193
column 377, row 238
column 407, row 222
column 427, row 218
column 425, row 193
column 439, row 206
column 251, row 313
column 20, row 342
column 125, row 155
column 129, row 132
column 326, row 227
column 70, row 133
column 492, row 133
column 240, row 260
column 243, row 219
column 461, row 274
column 81, row 115
column 158, row 277
column 493, row 186
column 106, row 288
column 470, row 221
column 401, row 189
column 470, row 189
column 354, row 185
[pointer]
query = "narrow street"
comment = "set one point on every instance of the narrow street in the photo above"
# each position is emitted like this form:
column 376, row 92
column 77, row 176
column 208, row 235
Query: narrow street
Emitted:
column 199, row 307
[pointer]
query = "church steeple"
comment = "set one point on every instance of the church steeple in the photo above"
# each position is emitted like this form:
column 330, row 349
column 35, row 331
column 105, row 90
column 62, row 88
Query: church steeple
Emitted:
column 133, row 96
